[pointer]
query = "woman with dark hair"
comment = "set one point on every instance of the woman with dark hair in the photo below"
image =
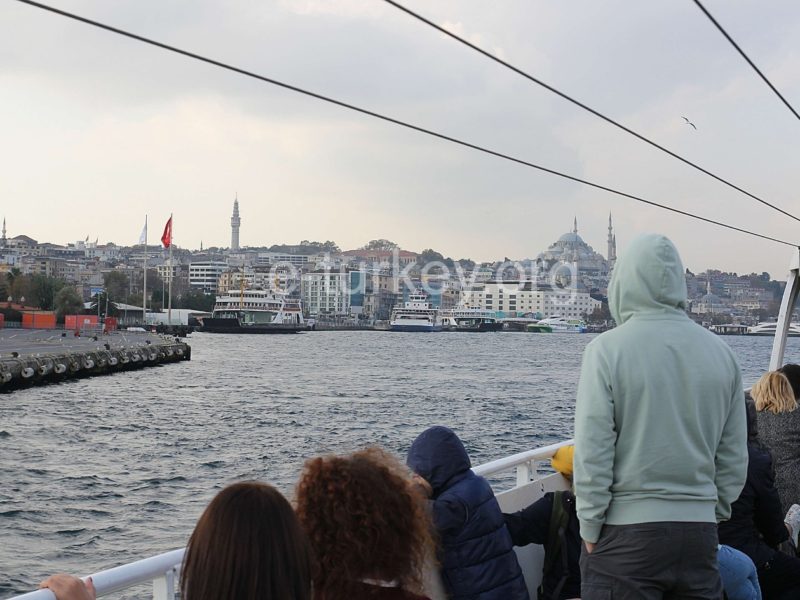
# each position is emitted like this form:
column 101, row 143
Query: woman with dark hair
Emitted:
column 247, row 545
column 367, row 525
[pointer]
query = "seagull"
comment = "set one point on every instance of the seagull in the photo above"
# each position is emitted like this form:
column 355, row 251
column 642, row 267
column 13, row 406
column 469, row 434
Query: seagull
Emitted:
column 688, row 122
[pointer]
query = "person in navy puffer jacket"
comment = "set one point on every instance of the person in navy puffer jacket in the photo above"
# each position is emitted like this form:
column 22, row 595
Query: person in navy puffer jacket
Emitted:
column 476, row 552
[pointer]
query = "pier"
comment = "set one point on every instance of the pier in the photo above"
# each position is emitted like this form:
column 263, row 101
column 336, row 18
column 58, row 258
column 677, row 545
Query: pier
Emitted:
column 36, row 357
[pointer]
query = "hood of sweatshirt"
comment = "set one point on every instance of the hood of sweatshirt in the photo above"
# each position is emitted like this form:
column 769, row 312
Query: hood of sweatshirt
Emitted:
column 437, row 455
column 648, row 278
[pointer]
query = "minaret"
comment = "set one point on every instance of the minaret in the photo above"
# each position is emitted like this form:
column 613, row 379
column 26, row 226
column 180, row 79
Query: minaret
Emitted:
column 3, row 239
column 575, row 230
column 235, row 222
column 612, row 242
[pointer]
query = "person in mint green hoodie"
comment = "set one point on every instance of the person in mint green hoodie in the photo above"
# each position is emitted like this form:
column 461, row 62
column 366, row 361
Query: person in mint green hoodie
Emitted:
column 660, row 438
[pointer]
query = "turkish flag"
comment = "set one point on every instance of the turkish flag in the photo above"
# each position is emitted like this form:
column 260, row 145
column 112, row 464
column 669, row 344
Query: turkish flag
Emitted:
column 166, row 238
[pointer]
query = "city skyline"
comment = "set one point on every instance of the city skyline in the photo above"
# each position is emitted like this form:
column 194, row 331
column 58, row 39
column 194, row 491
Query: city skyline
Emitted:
column 155, row 243
column 102, row 125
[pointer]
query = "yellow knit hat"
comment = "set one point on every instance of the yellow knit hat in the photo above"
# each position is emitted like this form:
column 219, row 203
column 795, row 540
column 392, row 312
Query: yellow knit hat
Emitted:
column 562, row 460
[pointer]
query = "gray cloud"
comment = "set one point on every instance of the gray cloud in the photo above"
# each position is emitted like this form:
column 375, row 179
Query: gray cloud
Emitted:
column 100, row 130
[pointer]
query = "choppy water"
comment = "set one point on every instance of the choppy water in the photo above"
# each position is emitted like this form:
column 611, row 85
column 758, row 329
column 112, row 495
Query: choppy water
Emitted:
column 98, row 472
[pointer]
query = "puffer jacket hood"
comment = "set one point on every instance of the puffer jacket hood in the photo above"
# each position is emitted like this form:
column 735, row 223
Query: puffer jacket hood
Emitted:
column 648, row 278
column 438, row 455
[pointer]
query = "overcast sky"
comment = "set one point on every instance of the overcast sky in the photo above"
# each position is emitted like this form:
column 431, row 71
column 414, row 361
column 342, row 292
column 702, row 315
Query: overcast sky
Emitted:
column 99, row 130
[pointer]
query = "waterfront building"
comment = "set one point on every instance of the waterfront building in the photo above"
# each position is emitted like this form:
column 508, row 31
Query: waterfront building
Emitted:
column 326, row 293
column 169, row 270
column 519, row 297
column 265, row 259
column 235, row 222
column 279, row 279
column 204, row 275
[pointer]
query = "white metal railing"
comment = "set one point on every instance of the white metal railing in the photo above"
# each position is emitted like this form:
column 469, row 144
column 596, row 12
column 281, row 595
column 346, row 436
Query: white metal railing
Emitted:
column 524, row 462
column 162, row 570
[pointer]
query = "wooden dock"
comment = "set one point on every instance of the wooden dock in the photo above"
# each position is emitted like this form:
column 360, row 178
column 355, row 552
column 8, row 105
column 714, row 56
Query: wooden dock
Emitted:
column 36, row 357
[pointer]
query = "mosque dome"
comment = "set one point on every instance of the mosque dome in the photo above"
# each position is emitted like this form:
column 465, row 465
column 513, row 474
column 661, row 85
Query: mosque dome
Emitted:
column 570, row 248
column 571, row 238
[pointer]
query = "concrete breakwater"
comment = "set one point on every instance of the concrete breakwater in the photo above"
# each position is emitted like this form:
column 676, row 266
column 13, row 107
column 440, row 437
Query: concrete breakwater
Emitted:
column 35, row 357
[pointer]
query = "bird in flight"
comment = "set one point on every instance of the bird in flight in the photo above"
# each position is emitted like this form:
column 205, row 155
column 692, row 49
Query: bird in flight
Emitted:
column 688, row 122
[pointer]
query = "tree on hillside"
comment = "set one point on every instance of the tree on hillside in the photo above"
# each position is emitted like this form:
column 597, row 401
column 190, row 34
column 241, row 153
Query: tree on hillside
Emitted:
column 43, row 291
column 326, row 246
column 68, row 302
column 197, row 300
column 380, row 245
column 117, row 285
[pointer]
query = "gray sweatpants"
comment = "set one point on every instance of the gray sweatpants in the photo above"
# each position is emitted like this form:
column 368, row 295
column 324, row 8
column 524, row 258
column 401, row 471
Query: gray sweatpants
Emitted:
column 653, row 561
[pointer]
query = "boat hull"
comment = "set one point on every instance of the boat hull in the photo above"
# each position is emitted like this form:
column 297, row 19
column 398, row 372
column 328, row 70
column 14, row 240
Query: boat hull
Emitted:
column 233, row 326
column 415, row 328
column 480, row 328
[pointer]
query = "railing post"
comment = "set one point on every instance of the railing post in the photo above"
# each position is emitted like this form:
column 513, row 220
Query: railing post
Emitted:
column 164, row 586
column 523, row 474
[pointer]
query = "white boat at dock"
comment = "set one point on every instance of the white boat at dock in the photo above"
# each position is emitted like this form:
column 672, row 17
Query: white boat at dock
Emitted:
column 417, row 314
column 557, row 325
column 470, row 319
column 255, row 311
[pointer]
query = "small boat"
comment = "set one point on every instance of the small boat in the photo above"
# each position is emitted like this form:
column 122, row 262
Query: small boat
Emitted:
column 771, row 327
column 558, row 324
column 255, row 311
column 415, row 315
column 470, row 320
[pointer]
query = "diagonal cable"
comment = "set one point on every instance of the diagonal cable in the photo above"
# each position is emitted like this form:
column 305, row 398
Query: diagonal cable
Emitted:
column 388, row 119
column 585, row 107
column 747, row 58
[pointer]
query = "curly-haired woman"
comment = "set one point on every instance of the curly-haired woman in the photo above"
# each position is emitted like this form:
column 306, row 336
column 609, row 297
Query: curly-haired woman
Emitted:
column 368, row 527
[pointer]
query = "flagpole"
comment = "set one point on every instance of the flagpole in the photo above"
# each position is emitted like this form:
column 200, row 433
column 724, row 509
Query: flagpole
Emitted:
column 171, row 269
column 144, row 277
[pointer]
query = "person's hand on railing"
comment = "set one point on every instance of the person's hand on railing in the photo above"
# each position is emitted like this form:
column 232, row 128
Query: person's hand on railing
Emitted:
column 68, row 587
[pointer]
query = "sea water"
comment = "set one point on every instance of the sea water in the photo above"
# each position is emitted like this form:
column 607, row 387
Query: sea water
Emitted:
column 103, row 471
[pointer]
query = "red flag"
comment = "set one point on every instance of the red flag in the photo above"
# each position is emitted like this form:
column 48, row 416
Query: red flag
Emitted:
column 166, row 239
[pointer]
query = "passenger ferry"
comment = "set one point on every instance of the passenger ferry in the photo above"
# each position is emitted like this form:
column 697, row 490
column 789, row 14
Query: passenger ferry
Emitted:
column 255, row 311
column 769, row 329
column 415, row 315
column 557, row 325
column 470, row 319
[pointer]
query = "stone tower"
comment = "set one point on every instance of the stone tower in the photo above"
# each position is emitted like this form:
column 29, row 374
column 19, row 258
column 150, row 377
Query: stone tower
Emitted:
column 235, row 222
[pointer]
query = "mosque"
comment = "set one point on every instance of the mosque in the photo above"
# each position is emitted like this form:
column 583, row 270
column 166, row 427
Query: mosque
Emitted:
column 571, row 249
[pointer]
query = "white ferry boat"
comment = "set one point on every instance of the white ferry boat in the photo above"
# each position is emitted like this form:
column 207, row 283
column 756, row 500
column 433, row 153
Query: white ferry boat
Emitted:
column 557, row 325
column 470, row 319
column 770, row 327
column 415, row 315
column 255, row 311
